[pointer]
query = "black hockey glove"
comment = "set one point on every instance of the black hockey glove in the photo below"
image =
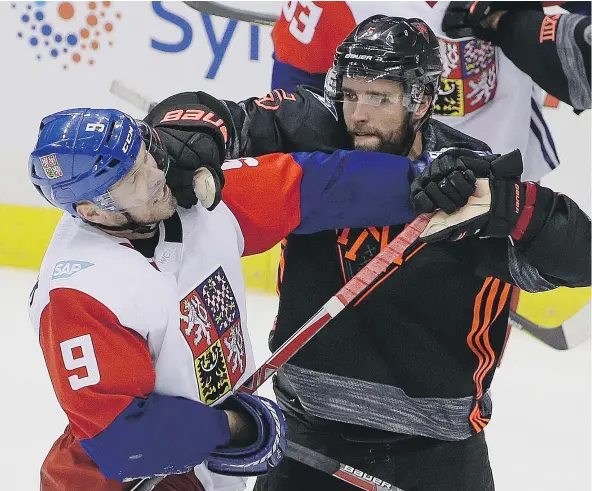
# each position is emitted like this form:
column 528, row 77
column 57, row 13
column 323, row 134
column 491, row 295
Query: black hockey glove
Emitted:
column 446, row 183
column 468, row 19
column 502, row 205
column 195, row 138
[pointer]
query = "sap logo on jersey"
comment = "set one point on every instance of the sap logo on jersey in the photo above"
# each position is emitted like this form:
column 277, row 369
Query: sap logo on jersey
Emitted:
column 219, row 48
column 65, row 269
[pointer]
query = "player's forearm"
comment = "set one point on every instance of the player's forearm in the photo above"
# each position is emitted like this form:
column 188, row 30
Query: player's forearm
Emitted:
column 553, row 50
column 158, row 435
column 560, row 249
column 289, row 122
column 275, row 195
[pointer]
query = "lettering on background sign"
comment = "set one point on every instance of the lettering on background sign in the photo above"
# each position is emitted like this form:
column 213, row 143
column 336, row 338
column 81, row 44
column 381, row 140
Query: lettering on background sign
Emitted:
column 303, row 18
column 219, row 48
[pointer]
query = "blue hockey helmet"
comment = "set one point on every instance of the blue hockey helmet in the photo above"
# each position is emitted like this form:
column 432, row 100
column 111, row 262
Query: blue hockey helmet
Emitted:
column 81, row 153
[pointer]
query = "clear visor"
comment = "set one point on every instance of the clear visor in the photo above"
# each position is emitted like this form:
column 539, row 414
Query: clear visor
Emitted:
column 143, row 185
column 154, row 146
column 371, row 98
column 337, row 89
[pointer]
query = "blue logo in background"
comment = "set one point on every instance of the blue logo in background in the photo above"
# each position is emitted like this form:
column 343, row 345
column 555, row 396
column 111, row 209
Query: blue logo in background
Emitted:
column 219, row 48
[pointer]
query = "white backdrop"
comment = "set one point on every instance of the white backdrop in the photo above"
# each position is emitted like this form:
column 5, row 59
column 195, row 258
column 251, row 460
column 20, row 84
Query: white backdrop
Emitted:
column 158, row 48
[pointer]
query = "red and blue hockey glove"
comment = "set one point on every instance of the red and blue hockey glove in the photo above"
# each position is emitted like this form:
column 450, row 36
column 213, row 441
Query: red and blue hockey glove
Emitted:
column 269, row 446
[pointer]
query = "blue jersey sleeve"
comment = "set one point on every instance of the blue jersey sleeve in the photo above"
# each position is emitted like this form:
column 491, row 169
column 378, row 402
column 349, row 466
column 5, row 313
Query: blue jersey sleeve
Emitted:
column 158, row 435
column 353, row 189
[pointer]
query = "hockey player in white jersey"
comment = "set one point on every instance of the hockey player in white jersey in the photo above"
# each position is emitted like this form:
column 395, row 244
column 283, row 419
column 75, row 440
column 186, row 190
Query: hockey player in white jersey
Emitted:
column 140, row 305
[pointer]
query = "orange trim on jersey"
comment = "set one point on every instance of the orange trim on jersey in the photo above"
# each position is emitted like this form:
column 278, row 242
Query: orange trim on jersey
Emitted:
column 119, row 355
column 353, row 251
column 342, row 238
column 551, row 101
column 281, row 265
column 384, row 237
column 478, row 340
column 549, row 28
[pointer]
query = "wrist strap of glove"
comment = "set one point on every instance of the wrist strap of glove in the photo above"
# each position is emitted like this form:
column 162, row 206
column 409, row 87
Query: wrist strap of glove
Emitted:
column 537, row 208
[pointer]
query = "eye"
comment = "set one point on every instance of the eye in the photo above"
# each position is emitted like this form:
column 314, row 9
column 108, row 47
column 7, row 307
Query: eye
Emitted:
column 349, row 97
column 379, row 99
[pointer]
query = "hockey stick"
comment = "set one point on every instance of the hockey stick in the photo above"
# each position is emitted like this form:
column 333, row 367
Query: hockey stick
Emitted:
column 349, row 292
column 317, row 461
column 147, row 484
column 553, row 337
column 136, row 99
column 346, row 473
column 220, row 10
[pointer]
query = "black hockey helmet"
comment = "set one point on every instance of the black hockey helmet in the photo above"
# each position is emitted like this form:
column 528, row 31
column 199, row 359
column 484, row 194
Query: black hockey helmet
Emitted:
column 392, row 48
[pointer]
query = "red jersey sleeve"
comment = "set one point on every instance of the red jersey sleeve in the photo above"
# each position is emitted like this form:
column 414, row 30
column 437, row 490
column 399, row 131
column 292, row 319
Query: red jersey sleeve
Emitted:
column 307, row 33
column 96, row 365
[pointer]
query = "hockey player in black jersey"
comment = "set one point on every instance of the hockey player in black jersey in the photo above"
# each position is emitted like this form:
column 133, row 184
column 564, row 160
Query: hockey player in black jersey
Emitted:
column 398, row 385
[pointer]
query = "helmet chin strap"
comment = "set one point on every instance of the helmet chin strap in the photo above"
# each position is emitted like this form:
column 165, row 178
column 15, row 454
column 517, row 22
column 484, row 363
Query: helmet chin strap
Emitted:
column 131, row 226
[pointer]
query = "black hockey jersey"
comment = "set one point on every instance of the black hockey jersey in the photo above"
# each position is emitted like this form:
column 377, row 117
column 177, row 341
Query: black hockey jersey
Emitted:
column 417, row 353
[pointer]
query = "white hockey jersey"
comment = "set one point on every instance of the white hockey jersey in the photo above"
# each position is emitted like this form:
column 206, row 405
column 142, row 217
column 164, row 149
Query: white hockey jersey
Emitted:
column 187, row 306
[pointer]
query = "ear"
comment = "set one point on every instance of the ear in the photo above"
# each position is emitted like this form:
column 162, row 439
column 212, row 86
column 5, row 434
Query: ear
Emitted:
column 91, row 212
column 424, row 107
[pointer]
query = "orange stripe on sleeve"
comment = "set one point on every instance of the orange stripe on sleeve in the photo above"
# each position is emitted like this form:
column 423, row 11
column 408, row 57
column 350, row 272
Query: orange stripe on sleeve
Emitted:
column 479, row 343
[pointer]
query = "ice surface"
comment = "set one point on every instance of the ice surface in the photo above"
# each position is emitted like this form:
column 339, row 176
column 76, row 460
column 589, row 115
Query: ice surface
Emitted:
column 539, row 437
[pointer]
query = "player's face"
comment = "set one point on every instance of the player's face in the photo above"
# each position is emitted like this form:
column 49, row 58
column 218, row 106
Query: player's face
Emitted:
column 143, row 192
column 374, row 114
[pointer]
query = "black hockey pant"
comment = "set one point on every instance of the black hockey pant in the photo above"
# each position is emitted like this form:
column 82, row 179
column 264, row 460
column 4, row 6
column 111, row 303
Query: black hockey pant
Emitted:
column 410, row 463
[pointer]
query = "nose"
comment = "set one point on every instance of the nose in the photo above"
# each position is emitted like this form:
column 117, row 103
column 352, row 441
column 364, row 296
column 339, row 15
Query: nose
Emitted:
column 360, row 113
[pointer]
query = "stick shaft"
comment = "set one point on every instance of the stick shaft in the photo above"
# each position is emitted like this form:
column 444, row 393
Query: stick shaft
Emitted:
column 350, row 291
